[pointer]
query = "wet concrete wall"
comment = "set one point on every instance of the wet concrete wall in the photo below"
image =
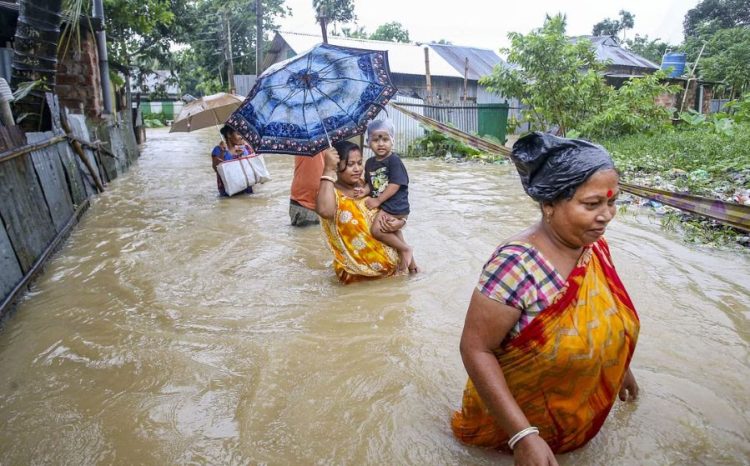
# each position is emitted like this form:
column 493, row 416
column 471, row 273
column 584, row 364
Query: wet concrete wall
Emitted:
column 44, row 191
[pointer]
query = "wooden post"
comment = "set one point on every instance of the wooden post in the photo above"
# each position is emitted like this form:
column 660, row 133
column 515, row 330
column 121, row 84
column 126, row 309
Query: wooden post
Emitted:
column 466, row 77
column 692, row 76
column 323, row 31
column 258, row 38
column 230, row 67
column 322, row 19
column 427, row 75
column 79, row 152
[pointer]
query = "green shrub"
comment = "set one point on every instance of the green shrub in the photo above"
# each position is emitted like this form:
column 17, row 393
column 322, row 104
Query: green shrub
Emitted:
column 695, row 158
column 436, row 144
column 153, row 123
column 631, row 109
column 157, row 116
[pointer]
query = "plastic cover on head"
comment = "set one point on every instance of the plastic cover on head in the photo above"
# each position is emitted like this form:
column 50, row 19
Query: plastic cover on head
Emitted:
column 381, row 125
column 552, row 168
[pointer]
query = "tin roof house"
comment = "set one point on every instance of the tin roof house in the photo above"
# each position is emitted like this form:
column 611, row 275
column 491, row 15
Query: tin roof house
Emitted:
column 455, row 96
column 620, row 61
column 447, row 65
column 623, row 65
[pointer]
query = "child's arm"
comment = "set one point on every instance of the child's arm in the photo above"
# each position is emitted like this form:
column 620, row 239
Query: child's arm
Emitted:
column 388, row 192
column 217, row 156
column 362, row 191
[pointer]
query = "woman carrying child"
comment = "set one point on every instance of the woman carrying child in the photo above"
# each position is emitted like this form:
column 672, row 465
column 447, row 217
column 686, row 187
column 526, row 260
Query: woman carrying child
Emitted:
column 346, row 221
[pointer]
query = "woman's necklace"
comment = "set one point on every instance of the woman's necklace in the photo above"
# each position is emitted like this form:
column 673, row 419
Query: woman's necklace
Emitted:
column 348, row 191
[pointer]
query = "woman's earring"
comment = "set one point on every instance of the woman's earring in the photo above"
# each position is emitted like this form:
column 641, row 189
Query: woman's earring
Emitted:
column 548, row 215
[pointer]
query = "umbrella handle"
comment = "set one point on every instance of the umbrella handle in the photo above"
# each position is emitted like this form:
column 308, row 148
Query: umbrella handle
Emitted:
column 315, row 102
column 216, row 119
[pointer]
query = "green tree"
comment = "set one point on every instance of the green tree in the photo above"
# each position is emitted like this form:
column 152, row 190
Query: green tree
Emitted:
column 356, row 32
column 391, row 32
column 202, row 61
column 188, row 37
column 333, row 12
column 139, row 30
column 612, row 27
column 558, row 81
column 722, row 13
column 606, row 27
column 631, row 109
column 652, row 50
column 727, row 58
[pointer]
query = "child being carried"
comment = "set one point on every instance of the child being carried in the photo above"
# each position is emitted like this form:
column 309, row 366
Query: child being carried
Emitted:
column 387, row 182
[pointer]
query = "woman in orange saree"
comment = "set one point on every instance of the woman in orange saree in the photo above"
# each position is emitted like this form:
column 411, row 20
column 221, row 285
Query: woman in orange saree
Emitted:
column 346, row 221
column 550, row 330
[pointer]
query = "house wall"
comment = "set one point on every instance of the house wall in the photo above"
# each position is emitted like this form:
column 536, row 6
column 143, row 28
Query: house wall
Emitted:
column 631, row 70
column 78, row 81
column 667, row 100
column 693, row 99
column 445, row 90
column 275, row 57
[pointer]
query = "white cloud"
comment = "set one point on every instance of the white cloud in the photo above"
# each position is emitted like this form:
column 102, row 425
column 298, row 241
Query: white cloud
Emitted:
column 485, row 23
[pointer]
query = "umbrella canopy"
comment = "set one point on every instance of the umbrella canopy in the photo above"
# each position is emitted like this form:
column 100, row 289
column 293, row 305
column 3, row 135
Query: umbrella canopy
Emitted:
column 302, row 105
column 210, row 110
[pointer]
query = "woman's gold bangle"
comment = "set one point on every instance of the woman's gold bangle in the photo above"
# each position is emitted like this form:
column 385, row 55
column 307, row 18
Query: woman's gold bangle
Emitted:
column 328, row 178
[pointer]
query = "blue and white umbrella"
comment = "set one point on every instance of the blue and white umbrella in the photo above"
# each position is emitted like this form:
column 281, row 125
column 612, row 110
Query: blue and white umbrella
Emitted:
column 302, row 105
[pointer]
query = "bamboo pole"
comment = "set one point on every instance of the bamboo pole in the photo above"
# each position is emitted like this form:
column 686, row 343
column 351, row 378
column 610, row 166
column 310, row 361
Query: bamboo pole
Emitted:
column 691, row 77
column 79, row 151
column 18, row 151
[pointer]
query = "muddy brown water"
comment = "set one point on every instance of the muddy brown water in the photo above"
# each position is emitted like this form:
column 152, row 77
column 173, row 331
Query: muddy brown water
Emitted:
column 175, row 327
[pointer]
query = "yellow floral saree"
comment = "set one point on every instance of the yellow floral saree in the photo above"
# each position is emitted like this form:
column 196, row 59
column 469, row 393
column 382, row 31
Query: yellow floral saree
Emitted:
column 566, row 367
column 356, row 254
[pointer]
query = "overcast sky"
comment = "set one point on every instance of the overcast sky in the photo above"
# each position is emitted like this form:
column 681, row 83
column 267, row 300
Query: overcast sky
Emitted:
column 486, row 23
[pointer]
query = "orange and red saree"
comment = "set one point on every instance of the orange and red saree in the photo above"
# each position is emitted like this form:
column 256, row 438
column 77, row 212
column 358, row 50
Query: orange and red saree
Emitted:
column 356, row 254
column 565, row 368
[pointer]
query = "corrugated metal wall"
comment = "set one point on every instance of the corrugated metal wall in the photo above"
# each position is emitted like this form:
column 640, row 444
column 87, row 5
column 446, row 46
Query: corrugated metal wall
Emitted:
column 407, row 129
column 243, row 83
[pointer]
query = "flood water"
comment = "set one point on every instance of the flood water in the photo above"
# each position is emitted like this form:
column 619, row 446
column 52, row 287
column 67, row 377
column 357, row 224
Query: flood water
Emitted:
column 176, row 327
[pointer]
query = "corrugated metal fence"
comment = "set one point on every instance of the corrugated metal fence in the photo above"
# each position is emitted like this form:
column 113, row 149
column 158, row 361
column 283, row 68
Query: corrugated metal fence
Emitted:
column 463, row 117
column 243, row 83
column 717, row 105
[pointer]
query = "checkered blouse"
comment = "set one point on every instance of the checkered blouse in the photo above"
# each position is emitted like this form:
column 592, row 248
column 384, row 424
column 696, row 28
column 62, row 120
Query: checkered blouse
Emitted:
column 518, row 275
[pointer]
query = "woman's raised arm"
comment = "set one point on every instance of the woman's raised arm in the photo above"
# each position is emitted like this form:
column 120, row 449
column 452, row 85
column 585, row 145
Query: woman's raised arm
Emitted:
column 325, row 204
